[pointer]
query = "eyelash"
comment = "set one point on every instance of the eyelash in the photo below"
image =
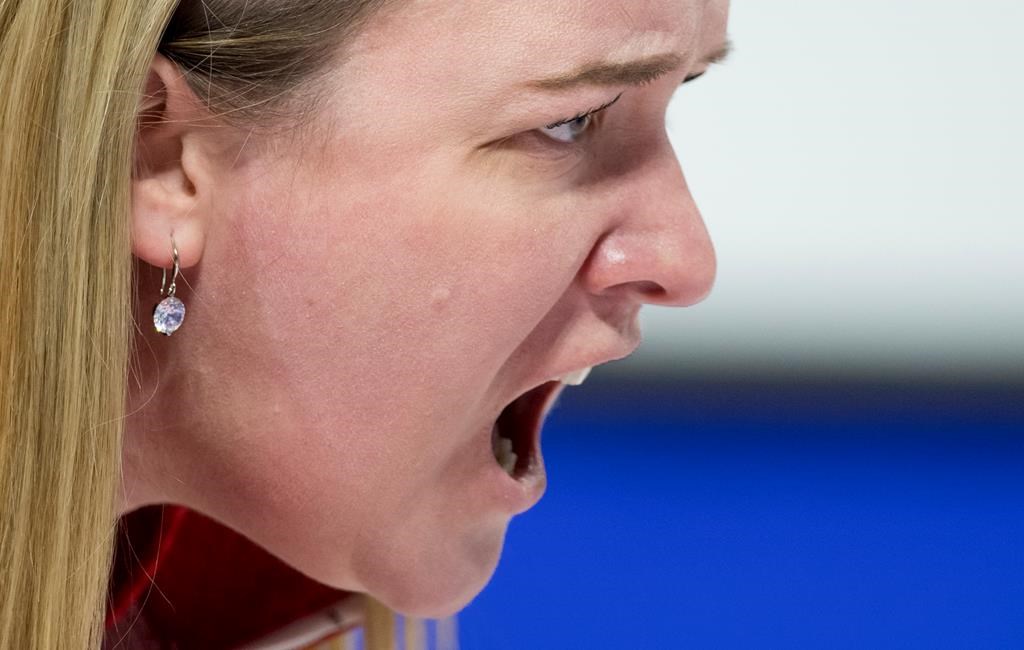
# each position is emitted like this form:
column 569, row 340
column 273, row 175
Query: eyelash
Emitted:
column 580, row 116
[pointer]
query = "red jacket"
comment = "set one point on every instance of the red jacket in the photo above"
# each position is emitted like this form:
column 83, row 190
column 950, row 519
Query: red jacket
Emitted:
column 182, row 580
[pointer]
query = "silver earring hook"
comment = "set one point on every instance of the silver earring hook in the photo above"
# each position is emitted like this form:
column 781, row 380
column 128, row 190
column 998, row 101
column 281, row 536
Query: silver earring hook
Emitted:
column 174, row 277
column 169, row 313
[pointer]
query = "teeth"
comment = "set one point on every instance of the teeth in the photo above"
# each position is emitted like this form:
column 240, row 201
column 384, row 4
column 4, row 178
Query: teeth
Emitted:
column 503, row 453
column 576, row 378
column 506, row 457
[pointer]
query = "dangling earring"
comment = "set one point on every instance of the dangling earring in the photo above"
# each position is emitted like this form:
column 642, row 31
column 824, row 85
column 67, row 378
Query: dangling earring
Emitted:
column 170, row 311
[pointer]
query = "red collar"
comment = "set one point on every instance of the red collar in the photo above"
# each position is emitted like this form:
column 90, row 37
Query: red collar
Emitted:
column 183, row 580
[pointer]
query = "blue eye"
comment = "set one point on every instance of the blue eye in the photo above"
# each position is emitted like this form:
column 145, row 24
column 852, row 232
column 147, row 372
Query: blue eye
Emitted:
column 570, row 130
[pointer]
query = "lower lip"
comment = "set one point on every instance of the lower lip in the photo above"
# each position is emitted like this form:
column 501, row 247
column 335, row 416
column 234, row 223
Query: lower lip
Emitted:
column 517, row 494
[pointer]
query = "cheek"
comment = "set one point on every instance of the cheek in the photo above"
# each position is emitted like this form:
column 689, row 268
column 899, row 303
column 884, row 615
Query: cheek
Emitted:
column 391, row 305
column 391, row 282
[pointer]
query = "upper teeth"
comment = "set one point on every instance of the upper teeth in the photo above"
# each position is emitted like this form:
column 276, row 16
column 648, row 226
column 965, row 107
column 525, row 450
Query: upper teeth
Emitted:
column 576, row 378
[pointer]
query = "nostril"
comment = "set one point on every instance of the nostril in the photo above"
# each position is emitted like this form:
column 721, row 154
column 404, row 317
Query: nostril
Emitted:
column 647, row 290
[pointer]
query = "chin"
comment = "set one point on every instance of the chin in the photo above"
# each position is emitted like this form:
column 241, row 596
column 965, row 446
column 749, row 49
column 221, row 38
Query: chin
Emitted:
column 433, row 595
column 433, row 585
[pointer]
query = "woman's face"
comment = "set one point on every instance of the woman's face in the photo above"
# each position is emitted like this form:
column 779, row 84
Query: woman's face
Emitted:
column 375, row 289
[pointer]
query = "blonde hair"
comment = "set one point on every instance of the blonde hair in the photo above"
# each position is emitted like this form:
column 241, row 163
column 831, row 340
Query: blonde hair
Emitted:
column 71, row 81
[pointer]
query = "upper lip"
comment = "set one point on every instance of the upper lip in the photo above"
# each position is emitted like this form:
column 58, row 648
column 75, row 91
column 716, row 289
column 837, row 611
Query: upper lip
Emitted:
column 595, row 359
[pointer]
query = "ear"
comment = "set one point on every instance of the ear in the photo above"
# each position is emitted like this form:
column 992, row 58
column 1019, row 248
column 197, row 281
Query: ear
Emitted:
column 171, row 170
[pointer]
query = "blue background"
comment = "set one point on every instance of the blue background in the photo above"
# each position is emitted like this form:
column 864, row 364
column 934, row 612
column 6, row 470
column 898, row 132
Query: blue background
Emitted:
column 773, row 514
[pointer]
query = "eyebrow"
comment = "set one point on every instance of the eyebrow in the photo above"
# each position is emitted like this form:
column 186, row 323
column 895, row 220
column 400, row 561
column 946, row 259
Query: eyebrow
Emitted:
column 629, row 73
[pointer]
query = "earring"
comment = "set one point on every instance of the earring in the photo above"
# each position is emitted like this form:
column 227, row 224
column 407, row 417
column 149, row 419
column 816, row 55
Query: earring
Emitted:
column 170, row 311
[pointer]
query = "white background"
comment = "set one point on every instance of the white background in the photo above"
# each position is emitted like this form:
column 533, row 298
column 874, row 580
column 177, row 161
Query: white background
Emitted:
column 859, row 167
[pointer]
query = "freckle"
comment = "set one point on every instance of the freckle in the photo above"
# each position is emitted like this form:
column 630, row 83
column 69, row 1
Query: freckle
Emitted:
column 440, row 297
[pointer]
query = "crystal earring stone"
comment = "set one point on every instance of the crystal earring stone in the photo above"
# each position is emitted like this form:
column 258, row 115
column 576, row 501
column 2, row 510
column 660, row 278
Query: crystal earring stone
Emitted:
column 168, row 314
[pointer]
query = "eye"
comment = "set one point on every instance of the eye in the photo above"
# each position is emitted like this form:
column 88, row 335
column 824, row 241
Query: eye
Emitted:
column 569, row 131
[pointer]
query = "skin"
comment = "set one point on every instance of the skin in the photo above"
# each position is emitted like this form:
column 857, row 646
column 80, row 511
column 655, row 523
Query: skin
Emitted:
column 367, row 294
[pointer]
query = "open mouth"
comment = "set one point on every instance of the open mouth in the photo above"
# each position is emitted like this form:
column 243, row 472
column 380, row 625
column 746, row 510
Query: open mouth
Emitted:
column 515, row 437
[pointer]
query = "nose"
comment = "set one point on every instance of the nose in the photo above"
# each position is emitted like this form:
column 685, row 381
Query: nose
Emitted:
column 658, row 251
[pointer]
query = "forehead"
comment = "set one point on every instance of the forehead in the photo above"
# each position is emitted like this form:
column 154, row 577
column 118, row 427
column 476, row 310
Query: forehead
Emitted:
column 455, row 46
